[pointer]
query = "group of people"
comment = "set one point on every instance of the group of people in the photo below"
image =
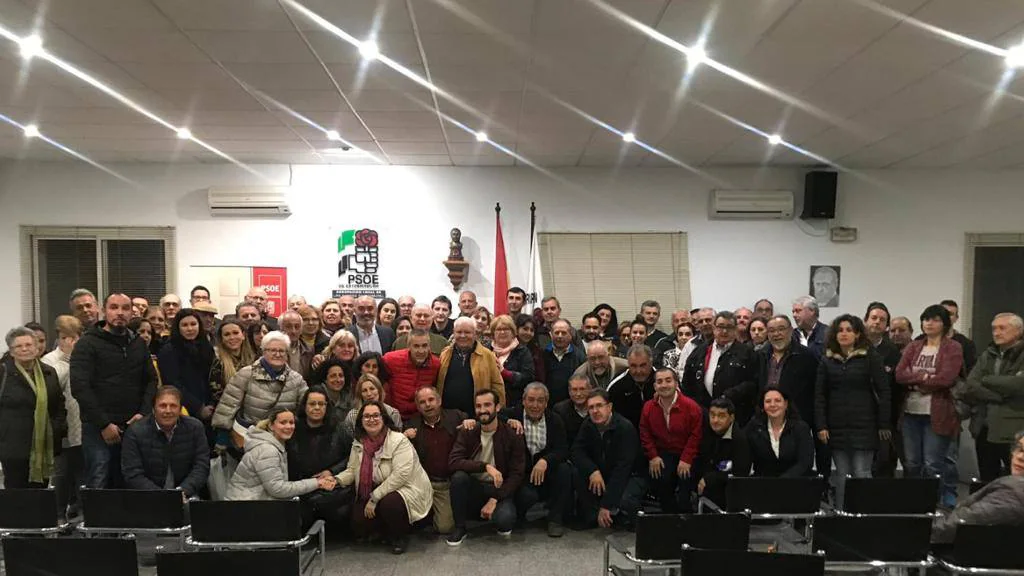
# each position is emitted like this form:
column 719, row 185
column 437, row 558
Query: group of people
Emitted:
column 380, row 415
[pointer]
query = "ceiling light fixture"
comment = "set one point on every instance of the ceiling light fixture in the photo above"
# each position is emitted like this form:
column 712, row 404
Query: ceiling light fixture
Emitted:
column 31, row 131
column 695, row 57
column 184, row 133
column 774, row 139
column 629, row 137
column 369, row 50
column 31, row 46
column 1015, row 57
column 333, row 135
column 481, row 137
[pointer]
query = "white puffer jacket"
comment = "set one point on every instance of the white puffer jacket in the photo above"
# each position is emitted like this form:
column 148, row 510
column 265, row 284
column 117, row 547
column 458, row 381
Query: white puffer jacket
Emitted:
column 263, row 472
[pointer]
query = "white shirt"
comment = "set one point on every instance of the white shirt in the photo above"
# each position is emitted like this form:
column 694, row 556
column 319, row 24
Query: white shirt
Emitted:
column 709, row 371
column 773, row 439
column 368, row 341
column 803, row 337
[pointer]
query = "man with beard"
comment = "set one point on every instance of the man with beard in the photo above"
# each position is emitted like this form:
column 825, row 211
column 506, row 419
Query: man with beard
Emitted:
column 601, row 367
column 488, row 465
column 590, row 330
column 371, row 337
column 634, row 387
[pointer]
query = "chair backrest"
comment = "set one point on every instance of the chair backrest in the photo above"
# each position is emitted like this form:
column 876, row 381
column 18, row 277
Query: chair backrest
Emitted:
column 28, row 509
column 763, row 495
column 697, row 562
column 891, row 495
column 866, row 538
column 133, row 508
column 981, row 546
column 661, row 536
column 246, row 521
column 32, row 556
column 279, row 562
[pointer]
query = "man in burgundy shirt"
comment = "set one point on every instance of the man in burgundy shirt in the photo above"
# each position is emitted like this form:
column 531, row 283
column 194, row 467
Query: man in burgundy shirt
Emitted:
column 432, row 432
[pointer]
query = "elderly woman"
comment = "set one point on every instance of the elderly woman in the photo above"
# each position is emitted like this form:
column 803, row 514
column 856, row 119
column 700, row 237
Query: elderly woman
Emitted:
column 312, row 335
column 32, row 414
column 258, row 388
column 370, row 390
column 515, row 361
column 343, row 345
column 263, row 472
column 392, row 489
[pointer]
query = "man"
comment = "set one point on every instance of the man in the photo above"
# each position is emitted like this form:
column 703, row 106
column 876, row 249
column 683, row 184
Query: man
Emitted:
column 810, row 331
column 371, row 337
column 488, row 465
column 968, row 346
column 573, row 410
column 82, row 304
column 296, row 301
column 995, row 390
column 549, row 476
column 208, row 315
column 170, row 304
column 139, row 307
column 590, row 330
column 706, row 324
column 721, row 367
column 650, row 311
column 432, row 431
column 467, row 303
column 605, row 457
column 764, row 308
column 467, row 367
column 743, row 317
column 901, row 331
column 405, row 304
column 671, row 426
column 422, row 318
column 199, row 294
column 550, row 310
column 826, row 286
column 724, row 451
column 876, row 328
column 515, row 299
column 347, row 303
column 634, row 387
column 300, row 353
column 561, row 359
column 442, row 324
column 165, row 450
column 679, row 317
column 601, row 367
column 258, row 297
column 411, row 370
column 113, row 379
column 247, row 314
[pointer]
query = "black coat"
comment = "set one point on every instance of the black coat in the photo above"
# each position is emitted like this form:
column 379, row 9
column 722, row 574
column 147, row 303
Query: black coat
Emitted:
column 628, row 396
column 891, row 355
column 313, row 450
column 146, row 454
column 522, row 372
column 18, row 409
column 796, row 449
column 797, row 378
column 188, row 370
column 556, row 449
column 851, row 400
column 720, row 458
column 615, row 453
column 112, row 377
column 385, row 335
column 570, row 418
column 557, row 372
column 735, row 378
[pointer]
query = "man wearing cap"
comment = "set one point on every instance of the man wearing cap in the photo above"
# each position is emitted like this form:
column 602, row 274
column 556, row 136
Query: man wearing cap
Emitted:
column 208, row 315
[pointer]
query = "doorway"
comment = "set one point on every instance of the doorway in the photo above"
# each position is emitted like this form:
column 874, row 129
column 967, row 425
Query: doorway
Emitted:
column 996, row 282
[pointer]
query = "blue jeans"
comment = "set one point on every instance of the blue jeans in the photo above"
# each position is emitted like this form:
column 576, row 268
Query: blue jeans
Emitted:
column 468, row 496
column 924, row 451
column 102, row 461
column 855, row 463
column 951, row 476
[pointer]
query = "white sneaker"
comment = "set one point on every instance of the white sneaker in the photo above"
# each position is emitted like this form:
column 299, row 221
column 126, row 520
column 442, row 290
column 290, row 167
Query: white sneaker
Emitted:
column 505, row 533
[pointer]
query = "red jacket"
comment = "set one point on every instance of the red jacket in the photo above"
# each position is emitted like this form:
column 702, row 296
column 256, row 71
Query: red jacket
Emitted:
column 682, row 434
column 407, row 378
column 949, row 363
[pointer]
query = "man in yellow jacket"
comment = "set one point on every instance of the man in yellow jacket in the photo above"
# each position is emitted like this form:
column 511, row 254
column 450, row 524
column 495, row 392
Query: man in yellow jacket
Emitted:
column 467, row 366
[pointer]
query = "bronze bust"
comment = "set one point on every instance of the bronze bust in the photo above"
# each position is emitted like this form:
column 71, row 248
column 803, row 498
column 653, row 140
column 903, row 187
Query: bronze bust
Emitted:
column 455, row 246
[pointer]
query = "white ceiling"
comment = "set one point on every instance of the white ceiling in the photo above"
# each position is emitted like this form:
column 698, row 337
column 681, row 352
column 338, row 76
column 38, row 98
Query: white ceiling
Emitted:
column 879, row 92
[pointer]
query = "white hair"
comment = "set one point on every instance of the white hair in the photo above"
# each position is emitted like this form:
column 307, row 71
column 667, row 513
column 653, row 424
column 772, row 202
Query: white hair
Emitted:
column 170, row 297
column 807, row 302
column 276, row 335
column 1015, row 320
column 464, row 321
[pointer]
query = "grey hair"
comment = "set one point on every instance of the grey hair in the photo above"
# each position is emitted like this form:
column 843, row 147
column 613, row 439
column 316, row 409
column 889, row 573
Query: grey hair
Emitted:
column 464, row 321
column 289, row 313
column 706, row 309
column 169, row 297
column 1015, row 321
column 807, row 302
column 79, row 292
column 537, row 386
column 644, row 349
column 18, row 332
column 278, row 336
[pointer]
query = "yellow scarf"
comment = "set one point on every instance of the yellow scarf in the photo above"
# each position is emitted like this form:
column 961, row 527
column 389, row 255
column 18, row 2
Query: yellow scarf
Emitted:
column 41, row 458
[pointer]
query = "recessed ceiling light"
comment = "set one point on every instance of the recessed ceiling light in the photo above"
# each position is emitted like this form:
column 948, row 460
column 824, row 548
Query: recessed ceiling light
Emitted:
column 695, row 57
column 184, row 133
column 629, row 137
column 31, row 46
column 1015, row 57
column 333, row 135
column 481, row 136
column 775, row 139
column 343, row 151
column 369, row 50
column 31, row 131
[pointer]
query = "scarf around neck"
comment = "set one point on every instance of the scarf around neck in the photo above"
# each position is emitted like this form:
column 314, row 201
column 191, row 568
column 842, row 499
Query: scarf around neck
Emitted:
column 41, row 456
column 370, row 448
column 502, row 353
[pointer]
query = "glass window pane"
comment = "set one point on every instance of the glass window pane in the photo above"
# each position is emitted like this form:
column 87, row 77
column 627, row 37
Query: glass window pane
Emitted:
column 63, row 266
column 136, row 268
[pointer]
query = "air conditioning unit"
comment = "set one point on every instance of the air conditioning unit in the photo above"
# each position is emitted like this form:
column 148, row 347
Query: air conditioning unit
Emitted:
column 751, row 204
column 252, row 201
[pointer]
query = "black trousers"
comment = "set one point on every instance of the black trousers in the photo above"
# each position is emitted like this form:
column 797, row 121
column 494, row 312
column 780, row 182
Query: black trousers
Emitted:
column 555, row 490
column 672, row 491
column 68, row 475
column 16, row 475
column 993, row 458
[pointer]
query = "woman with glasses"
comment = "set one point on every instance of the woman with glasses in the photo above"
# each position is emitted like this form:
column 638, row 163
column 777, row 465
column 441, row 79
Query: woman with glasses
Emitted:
column 312, row 334
column 319, row 448
column 515, row 362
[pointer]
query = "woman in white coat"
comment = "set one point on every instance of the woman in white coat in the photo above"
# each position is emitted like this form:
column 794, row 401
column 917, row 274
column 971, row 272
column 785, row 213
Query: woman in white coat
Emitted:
column 392, row 489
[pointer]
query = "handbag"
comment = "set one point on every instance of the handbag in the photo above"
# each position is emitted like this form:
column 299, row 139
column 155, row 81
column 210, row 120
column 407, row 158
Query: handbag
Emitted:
column 222, row 467
column 241, row 425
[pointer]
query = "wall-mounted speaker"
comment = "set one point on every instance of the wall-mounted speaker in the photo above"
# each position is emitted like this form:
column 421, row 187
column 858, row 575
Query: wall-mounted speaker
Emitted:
column 820, row 195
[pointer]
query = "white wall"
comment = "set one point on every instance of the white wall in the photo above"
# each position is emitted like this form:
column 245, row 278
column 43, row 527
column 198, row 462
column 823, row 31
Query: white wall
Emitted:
column 910, row 251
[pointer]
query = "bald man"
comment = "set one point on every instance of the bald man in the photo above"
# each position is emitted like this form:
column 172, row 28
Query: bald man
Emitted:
column 422, row 319
column 371, row 336
column 258, row 297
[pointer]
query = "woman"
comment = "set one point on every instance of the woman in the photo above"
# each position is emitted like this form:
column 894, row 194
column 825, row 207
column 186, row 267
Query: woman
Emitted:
column 263, row 472
column 609, row 321
column 392, row 489
column 928, row 369
column 387, row 311
column 330, row 317
column 343, row 346
column 758, row 330
column 780, row 442
column 144, row 329
column 312, row 336
column 370, row 390
column 70, row 465
column 371, row 363
column 257, row 389
column 482, row 317
column 155, row 317
column 232, row 352
column 185, row 363
column 514, row 359
column 33, row 420
column 625, row 339
column 851, row 401
column 403, row 326
column 319, row 448
column 335, row 376
column 526, row 333
column 675, row 358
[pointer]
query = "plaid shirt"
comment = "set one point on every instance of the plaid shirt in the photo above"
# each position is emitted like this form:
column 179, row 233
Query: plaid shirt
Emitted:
column 536, row 434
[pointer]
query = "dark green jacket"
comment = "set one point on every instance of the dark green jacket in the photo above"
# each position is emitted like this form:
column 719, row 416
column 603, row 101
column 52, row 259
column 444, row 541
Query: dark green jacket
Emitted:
column 1000, row 395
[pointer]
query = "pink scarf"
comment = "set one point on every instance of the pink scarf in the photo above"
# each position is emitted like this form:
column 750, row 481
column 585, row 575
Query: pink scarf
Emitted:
column 370, row 448
column 502, row 353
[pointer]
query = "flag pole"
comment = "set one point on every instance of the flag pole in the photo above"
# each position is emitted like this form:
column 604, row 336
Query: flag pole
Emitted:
column 533, row 221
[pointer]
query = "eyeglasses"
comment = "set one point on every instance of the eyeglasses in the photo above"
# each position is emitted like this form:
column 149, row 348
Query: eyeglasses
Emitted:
column 275, row 351
column 371, row 417
column 593, row 407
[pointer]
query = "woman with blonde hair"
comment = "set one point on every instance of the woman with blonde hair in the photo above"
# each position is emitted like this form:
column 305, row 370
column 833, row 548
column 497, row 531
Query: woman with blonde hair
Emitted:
column 69, row 466
column 342, row 346
column 232, row 352
column 514, row 359
column 369, row 389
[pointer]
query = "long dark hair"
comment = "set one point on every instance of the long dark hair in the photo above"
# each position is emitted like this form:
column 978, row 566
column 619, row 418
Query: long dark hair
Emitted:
column 832, row 342
column 360, row 431
column 328, row 413
column 613, row 323
column 380, row 306
column 200, row 349
column 383, row 374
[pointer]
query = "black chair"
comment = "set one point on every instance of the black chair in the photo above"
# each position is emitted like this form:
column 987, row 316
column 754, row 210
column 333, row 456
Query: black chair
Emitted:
column 697, row 562
column 27, row 556
column 976, row 485
column 892, row 496
column 134, row 512
column 659, row 537
column 31, row 511
column 990, row 550
column 280, row 562
column 254, row 525
column 873, row 541
column 773, row 497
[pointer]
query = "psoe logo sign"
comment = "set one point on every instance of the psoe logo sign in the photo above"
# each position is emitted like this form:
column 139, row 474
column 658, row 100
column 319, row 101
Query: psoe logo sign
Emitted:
column 358, row 259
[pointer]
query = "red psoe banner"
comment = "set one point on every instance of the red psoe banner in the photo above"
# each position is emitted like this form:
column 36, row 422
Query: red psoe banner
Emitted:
column 275, row 282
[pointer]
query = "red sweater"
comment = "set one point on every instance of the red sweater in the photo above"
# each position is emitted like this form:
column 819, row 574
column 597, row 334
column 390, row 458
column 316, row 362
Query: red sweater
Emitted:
column 407, row 378
column 681, row 435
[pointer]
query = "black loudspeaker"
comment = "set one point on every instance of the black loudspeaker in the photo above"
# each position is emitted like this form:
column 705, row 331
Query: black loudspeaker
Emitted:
column 820, row 195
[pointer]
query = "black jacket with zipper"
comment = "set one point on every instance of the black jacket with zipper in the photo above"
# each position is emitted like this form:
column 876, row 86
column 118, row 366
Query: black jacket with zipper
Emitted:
column 112, row 377
column 18, row 408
